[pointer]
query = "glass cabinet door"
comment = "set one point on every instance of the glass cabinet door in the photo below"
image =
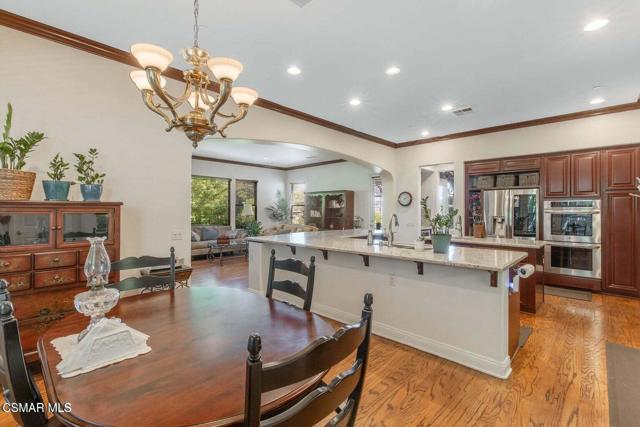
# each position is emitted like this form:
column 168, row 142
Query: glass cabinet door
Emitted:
column 24, row 229
column 74, row 226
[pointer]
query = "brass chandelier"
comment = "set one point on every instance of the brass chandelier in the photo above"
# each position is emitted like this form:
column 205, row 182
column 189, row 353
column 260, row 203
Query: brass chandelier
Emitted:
column 200, row 120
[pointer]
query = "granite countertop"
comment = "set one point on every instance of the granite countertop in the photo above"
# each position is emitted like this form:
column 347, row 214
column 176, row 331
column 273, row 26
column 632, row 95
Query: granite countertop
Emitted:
column 499, row 241
column 347, row 241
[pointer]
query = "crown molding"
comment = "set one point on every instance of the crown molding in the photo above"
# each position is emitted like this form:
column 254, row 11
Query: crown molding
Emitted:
column 527, row 123
column 76, row 41
column 258, row 165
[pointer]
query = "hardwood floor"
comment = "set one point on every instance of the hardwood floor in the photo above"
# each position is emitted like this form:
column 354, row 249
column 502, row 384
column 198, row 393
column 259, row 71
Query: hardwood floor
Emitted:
column 559, row 378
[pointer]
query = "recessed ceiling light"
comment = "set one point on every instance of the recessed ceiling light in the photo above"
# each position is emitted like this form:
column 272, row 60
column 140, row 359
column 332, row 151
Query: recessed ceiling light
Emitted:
column 392, row 71
column 596, row 101
column 596, row 24
column 424, row 133
column 447, row 107
column 294, row 71
column 355, row 101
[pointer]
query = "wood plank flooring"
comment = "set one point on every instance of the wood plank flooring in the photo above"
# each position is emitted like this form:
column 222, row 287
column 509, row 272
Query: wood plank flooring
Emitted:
column 559, row 378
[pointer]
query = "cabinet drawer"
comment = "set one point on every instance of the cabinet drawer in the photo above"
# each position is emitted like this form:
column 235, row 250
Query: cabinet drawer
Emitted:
column 50, row 303
column 55, row 259
column 17, row 281
column 111, row 251
column 13, row 263
column 528, row 163
column 58, row 277
column 483, row 167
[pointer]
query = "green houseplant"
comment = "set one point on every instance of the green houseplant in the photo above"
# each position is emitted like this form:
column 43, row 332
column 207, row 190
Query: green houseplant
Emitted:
column 55, row 188
column 91, row 181
column 16, row 184
column 279, row 210
column 253, row 228
column 440, row 224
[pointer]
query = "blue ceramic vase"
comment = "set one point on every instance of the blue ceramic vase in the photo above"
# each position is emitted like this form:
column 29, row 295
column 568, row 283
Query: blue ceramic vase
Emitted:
column 56, row 190
column 441, row 243
column 91, row 192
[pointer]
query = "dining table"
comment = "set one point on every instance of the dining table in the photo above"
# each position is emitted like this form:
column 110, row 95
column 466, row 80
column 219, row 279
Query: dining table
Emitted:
column 195, row 371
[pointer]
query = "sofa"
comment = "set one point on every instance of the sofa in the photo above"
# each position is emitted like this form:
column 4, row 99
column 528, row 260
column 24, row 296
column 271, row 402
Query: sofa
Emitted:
column 202, row 235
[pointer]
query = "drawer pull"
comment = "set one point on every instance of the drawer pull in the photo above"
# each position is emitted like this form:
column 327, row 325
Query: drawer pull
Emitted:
column 5, row 264
column 57, row 279
column 55, row 260
column 45, row 311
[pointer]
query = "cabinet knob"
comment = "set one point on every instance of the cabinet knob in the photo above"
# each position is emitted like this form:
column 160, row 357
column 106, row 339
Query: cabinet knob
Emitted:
column 5, row 264
column 55, row 260
column 57, row 279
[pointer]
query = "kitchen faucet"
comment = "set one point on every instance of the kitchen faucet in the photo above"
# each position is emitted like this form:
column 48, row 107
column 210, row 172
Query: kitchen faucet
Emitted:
column 391, row 237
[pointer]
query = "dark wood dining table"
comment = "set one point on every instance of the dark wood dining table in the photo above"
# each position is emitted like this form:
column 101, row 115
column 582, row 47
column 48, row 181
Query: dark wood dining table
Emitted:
column 195, row 371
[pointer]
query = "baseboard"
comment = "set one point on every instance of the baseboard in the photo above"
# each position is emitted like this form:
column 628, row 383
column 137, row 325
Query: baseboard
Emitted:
column 500, row 369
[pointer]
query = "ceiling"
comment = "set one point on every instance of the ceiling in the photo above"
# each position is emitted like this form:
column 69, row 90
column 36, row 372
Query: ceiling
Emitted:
column 509, row 60
column 268, row 153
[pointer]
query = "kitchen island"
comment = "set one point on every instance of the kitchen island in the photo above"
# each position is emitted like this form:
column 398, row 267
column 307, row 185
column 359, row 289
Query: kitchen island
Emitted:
column 458, row 305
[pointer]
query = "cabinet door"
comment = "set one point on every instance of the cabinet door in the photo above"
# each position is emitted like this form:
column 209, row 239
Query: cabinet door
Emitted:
column 621, row 249
column 74, row 225
column 476, row 168
column 585, row 174
column 520, row 164
column 556, row 175
column 621, row 168
column 26, row 229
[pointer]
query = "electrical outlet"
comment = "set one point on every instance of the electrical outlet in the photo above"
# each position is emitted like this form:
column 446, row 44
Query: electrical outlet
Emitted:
column 176, row 235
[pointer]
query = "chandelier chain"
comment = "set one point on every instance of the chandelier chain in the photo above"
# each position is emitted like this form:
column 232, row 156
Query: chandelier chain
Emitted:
column 196, row 26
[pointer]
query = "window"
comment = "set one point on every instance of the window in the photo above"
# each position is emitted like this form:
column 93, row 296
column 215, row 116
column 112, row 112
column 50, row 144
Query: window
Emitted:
column 297, row 203
column 378, row 200
column 210, row 200
column 246, row 193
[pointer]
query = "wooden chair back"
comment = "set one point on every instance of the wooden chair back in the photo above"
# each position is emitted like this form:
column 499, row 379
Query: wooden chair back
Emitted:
column 146, row 282
column 288, row 286
column 18, row 386
column 341, row 395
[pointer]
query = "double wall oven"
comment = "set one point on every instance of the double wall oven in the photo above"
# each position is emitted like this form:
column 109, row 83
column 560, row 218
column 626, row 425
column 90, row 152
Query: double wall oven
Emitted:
column 572, row 231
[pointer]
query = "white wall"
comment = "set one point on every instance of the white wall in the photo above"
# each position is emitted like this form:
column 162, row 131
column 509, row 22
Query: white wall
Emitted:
column 80, row 101
column 338, row 176
column 270, row 181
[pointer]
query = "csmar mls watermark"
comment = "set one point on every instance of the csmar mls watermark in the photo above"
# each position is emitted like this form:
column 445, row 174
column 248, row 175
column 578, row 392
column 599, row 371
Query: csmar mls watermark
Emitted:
column 36, row 407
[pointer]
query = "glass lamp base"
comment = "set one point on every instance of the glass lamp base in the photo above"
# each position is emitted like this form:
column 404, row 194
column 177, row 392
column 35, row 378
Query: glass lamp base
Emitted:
column 95, row 303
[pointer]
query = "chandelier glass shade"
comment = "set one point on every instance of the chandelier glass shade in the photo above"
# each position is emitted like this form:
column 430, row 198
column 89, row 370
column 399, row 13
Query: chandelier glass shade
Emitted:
column 203, row 108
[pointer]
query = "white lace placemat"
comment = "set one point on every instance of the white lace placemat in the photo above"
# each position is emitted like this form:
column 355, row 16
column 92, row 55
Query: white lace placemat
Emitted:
column 108, row 342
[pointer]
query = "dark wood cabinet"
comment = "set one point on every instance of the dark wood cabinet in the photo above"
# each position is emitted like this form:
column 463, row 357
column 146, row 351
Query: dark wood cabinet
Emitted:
column 622, row 243
column 43, row 247
column 556, row 173
column 520, row 164
column 329, row 210
column 622, row 166
column 585, row 174
column 477, row 168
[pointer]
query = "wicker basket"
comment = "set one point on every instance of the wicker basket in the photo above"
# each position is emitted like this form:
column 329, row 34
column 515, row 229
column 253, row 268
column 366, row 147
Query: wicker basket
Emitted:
column 15, row 184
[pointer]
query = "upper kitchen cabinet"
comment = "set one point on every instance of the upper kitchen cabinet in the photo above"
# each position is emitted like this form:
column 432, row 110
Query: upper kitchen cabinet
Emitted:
column 556, row 172
column 621, row 168
column 585, row 174
column 572, row 175
column 520, row 164
column 477, row 168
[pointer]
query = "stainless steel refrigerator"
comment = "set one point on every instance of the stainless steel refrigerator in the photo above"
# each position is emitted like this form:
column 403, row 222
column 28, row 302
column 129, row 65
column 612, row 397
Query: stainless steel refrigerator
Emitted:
column 511, row 213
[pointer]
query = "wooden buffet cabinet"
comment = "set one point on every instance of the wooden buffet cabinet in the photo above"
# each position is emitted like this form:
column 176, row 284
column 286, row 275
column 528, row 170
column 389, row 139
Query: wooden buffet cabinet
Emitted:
column 607, row 174
column 43, row 248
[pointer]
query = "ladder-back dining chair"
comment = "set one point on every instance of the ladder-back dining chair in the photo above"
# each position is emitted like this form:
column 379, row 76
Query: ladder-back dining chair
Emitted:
column 146, row 282
column 288, row 286
column 340, row 396
column 18, row 386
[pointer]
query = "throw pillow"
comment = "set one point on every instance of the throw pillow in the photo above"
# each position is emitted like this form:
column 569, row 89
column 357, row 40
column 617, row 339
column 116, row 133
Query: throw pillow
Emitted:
column 195, row 237
column 223, row 240
column 210, row 233
column 232, row 234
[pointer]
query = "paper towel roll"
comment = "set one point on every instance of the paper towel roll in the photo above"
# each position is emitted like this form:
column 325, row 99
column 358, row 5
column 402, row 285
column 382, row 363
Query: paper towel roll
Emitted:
column 526, row 270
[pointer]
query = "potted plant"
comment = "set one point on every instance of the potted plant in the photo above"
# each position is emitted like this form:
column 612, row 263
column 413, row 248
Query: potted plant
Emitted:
column 279, row 211
column 440, row 223
column 253, row 228
column 91, row 187
column 56, row 188
column 16, row 184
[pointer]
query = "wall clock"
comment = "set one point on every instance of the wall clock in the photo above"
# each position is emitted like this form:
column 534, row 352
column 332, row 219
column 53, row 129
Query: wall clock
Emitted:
column 405, row 198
